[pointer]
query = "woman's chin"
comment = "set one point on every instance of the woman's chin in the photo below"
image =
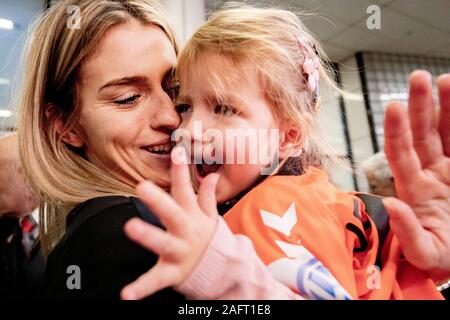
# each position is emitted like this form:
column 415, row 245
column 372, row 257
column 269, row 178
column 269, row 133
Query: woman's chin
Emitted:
column 154, row 167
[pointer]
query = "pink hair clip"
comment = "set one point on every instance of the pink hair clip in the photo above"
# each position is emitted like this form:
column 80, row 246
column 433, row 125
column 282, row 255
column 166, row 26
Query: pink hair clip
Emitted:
column 310, row 70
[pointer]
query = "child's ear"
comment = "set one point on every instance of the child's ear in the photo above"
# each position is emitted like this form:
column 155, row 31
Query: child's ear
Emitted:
column 291, row 141
column 72, row 138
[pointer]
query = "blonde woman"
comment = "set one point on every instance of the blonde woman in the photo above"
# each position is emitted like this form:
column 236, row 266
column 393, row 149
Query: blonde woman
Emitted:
column 95, row 119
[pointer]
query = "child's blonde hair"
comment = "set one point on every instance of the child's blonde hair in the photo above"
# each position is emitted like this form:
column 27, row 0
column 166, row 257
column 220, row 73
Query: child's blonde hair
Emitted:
column 271, row 40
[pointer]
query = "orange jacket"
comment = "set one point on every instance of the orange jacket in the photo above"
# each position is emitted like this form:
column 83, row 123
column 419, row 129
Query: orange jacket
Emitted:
column 322, row 242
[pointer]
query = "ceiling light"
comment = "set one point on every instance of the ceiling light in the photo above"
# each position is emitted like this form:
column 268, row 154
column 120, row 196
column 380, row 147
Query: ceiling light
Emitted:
column 6, row 24
column 394, row 96
column 5, row 113
column 4, row 82
column 352, row 96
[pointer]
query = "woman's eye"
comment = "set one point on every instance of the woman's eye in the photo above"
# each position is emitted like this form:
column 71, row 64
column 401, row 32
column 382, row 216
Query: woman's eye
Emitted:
column 128, row 101
column 182, row 108
column 225, row 110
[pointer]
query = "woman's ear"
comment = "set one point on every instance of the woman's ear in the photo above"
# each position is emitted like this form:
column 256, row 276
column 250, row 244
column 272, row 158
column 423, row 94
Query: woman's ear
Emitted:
column 291, row 141
column 72, row 137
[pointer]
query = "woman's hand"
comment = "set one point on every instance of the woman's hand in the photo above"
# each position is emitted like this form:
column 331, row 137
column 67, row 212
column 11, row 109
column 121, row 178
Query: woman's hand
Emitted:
column 190, row 224
column 417, row 146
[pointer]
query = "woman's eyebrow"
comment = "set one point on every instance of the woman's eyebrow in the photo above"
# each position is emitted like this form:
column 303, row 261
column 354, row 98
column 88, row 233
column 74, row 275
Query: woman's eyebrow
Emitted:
column 136, row 80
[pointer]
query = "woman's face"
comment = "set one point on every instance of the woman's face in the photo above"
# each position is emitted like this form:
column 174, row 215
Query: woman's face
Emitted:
column 127, row 115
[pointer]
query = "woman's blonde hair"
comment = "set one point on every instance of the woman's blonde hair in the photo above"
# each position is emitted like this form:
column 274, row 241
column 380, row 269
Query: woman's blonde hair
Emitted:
column 271, row 41
column 59, row 174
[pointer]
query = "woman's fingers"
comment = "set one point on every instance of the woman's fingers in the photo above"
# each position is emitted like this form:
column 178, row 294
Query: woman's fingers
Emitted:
column 181, row 186
column 444, row 117
column 162, row 205
column 154, row 280
column 413, row 238
column 207, row 194
column 398, row 147
column 422, row 115
column 152, row 238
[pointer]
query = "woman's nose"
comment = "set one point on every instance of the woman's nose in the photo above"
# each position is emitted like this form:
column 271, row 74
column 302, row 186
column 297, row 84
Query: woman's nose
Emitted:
column 165, row 116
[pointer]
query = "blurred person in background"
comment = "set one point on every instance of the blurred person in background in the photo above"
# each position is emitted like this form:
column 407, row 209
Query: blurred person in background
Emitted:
column 21, row 263
column 379, row 175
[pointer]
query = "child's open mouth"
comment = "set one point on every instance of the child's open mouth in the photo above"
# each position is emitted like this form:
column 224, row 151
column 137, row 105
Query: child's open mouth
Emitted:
column 204, row 169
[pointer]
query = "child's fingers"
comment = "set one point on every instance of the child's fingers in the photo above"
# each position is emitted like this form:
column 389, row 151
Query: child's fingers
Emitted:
column 162, row 205
column 422, row 115
column 444, row 117
column 152, row 238
column 181, row 186
column 207, row 194
column 398, row 146
column 157, row 278
column 413, row 238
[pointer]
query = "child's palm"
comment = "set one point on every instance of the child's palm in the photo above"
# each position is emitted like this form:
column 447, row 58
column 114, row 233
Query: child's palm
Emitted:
column 418, row 150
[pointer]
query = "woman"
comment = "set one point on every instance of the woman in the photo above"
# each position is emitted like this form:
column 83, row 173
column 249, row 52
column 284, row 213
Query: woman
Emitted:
column 96, row 119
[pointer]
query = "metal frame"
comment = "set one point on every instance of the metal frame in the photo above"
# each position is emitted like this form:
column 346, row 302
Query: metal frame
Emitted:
column 348, row 141
column 362, row 74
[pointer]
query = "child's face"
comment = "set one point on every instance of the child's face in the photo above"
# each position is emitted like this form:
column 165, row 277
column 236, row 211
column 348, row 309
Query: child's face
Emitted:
column 237, row 126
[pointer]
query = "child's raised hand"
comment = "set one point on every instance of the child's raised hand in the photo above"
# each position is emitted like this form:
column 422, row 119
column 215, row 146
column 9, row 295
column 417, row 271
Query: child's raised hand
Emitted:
column 190, row 224
column 418, row 150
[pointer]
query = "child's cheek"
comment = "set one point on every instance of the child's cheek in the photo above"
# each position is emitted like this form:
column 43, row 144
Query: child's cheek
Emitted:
column 245, row 175
column 250, row 147
column 225, row 189
column 234, row 179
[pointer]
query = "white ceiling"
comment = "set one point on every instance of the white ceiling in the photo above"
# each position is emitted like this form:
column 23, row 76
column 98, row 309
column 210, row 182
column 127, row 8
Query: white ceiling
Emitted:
column 22, row 13
column 407, row 26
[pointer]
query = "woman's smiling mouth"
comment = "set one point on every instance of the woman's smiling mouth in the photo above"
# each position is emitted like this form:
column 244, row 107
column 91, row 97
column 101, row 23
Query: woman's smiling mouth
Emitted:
column 160, row 149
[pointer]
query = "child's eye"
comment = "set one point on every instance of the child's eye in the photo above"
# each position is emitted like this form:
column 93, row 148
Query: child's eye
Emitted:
column 182, row 108
column 225, row 110
column 129, row 100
